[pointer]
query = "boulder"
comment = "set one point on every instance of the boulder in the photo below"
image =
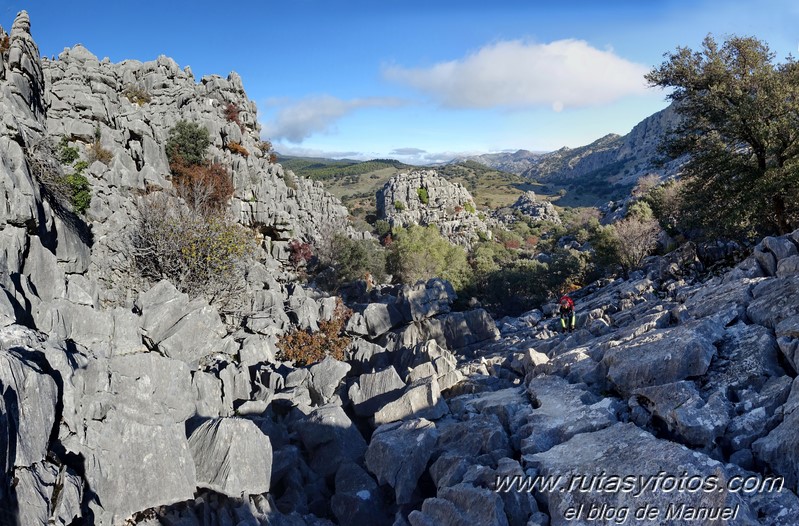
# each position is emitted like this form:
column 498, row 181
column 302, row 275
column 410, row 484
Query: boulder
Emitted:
column 325, row 379
column 374, row 390
column 687, row 416
column 421, row 399
column 461, row 505
column 662, row 356
column 179, row 328
column 585, row 470
column 330, row 438
column 774, row 300
column 156, row 462
column 398, row 455
column 46, row 494
column 27, row 406
column 231, row 456
column 357, row 500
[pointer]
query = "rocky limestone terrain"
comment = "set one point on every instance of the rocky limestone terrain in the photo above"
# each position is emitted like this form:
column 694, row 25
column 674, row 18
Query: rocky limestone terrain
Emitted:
column 528, row 205
column 147, row 408
column 424, row 198
column 512, row 162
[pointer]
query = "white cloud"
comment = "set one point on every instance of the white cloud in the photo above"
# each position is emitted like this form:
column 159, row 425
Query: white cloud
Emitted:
column 298, row 121
column 562, row 74
column 300, row 151
column 407, row 151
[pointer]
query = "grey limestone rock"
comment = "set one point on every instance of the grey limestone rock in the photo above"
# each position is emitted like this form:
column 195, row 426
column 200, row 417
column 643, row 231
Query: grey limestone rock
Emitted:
column 622, row 450
column 331, row 438
column 560, row 411
column 778, row 449
column 461, row 505
column 36, row 488
column 357, row 500
column 179, row 328
column 27, row 406
column 535, row 209
column 207, row 389
column 774, row 301
column 687, row 415
column 232, row 456
column 421, row 399
column 449, row 206
column 325, row 379
column 154, row 476
column 662, row 356
column 398, row 455
column 256, row 349
column 380, row 318
column 374, row 390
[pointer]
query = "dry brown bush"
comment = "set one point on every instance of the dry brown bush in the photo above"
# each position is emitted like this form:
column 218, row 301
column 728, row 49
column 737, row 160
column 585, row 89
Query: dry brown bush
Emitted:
column 206, row 188
column 304, row 347
column 236, row 147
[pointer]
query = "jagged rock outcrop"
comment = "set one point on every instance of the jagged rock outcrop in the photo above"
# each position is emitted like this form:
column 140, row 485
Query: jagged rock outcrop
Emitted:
column 528, row 205
column 425, row 198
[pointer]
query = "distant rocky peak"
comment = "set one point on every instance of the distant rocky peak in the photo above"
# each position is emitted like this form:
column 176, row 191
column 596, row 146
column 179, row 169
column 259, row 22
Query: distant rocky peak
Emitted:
column 425, row 198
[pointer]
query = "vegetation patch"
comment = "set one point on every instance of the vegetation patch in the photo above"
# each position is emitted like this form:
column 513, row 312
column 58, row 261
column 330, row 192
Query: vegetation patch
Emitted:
column 237, row 148
column 305, row 347
column 423, row 197
column 71, row 191
column 137, row 94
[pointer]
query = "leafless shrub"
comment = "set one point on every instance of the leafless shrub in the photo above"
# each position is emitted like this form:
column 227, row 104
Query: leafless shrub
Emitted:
column 636, row 238
column 202, row 255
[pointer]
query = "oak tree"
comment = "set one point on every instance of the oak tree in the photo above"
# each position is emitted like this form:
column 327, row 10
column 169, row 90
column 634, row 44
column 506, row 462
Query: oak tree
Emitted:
column 740, row 131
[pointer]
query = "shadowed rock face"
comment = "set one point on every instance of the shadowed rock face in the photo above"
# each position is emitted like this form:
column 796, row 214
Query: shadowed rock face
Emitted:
column 128, row 401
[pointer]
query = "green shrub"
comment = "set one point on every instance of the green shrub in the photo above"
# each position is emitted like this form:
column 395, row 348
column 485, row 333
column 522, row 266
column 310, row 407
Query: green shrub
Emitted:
column 66, row 153
column 420, row 253
column 79, row 191
column 423, row 197
column 354, row 259
column 382, row 227
column 399, row 206
column 63, row 192
column 188, row 143
column 469, row 207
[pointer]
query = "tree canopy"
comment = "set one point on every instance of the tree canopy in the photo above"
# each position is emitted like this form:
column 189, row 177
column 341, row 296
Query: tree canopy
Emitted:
column 740, row 129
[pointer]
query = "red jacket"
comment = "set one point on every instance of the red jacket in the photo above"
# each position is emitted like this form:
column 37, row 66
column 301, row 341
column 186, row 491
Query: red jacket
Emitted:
column 566, row 304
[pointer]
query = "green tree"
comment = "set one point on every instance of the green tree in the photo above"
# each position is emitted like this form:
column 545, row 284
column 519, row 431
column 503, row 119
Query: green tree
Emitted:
column 740, row 116
column 420, row 253
column 354, row 258
column 187, row 143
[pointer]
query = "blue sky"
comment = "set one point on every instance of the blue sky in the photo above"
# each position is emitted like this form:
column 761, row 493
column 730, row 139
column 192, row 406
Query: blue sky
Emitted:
column 419, row 81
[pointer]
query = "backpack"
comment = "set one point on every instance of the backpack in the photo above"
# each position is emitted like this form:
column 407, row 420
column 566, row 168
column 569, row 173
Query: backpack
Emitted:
column 566, row 303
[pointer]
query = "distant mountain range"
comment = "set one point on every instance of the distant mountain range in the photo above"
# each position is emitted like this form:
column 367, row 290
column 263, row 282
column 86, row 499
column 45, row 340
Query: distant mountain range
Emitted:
column 613, row 159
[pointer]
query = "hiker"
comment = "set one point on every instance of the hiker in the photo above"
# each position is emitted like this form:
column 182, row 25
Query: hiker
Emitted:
column 567, row 316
